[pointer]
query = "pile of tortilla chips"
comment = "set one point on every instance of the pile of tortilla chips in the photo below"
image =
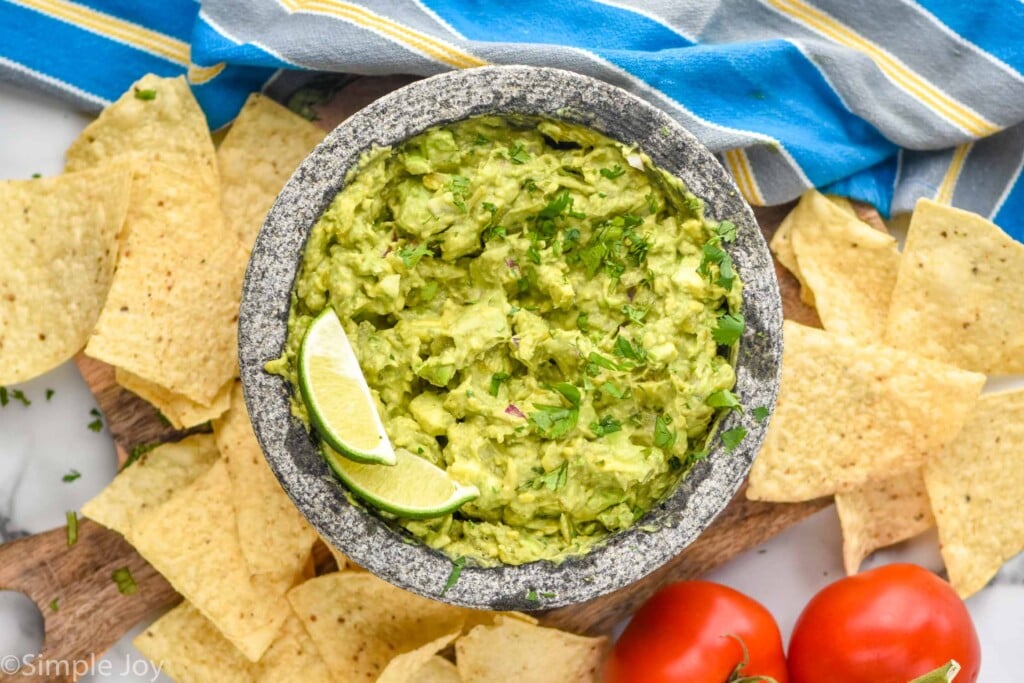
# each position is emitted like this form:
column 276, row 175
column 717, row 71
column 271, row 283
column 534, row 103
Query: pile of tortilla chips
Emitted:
column 883, row 407
column 208, row 513
column 136, row 253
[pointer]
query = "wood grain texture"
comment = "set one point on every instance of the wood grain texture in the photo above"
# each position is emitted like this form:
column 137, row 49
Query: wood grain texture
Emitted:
column 91, row 612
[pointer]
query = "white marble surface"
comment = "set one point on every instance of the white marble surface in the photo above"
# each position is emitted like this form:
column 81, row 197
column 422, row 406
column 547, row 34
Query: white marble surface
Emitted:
column 42, row 442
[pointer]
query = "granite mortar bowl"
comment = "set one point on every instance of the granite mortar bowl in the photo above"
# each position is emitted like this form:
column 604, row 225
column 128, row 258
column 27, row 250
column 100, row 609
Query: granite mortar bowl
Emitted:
column 367, row 538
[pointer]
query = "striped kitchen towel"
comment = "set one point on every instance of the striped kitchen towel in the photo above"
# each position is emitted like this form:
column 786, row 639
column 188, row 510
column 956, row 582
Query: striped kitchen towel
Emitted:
column 881, row 100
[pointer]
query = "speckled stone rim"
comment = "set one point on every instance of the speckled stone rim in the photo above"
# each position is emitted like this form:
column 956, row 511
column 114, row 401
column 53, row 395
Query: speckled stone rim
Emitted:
column 366, row 537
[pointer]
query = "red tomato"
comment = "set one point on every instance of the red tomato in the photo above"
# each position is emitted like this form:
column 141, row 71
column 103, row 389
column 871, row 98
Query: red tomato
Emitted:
column 887, row 625
column 683, row 634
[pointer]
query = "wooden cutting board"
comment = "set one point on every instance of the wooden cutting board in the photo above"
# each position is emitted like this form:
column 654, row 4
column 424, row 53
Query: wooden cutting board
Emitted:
column 91, row 614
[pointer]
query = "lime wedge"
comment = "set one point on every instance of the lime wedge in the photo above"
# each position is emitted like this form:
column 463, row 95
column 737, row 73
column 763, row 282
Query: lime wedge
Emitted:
column 414, row 488
column 336, row 395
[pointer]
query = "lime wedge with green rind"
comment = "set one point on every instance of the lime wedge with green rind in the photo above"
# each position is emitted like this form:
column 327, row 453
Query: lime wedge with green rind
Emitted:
column 336, row 394
column 414, row 488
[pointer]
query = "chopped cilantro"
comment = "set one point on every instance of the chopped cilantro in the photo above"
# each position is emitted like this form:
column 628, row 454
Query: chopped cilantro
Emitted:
column 72, row 527
column 556, row 478
column 613, row 390
column 518, row 155
column 145, row 94
column 631, row 350
column 139, row 451
column 493, row 231
column 489, row 207
column 726, row 230
column 554, row 422
column 480, row 140
column 96, row 425
column 606, row 425
column 453, row 576
column 724, row 399
column 533, row 254
column 729, row 330
column 531, row 595
column 582, row 322
column 635, row 313
column 37, row 175
column 613, row 172
column 4, row 400
column 54, row 605
column 49, row 394
column 664, row 438
column 714, row 254
column 125, row 583
column 732, row 437
column 411, row 256
column 459, row 187
column 558, row 205
column 497, row 379
column 596, row 361
column 760, row 413
column 71, row 476
column 547, row 595
column 570, row 392
column 19, row 395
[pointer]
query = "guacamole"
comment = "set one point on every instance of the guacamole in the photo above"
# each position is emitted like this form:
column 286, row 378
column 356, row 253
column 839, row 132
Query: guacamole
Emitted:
column 537, row 310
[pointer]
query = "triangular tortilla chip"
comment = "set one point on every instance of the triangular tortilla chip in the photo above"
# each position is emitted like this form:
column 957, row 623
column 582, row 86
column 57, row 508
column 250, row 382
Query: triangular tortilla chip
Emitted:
column 193, row 541
column 172, row 311
column 264, row 146
column 184, row 645
column 882, row 513
column 150, row 481
column 958, row 297
column 156, row 121
column 293, row 657
column 975, row 488
column 512, row 650
column 406, row 667
column 849, row 266
column 179, row 411
column 359, row 622
column 59, row 249
column 849, row 413
column 275, row 537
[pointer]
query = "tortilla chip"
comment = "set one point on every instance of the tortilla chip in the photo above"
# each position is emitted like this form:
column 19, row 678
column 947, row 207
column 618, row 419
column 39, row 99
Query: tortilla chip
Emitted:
column 975, row 489
column 882, row 513
column 169, row 128
column 958, row 297
column 782, row 240
column 265, row 145
column 193, row 541
column 512, row 650
column 437, row 670
column 179, row 411
column 849, row 266
column 150, row 481
column 275, row 537
column 292, row 658
column 171, row 315
column 405, row 668
column 850, row 412
column 189, row 649
column 359, row 622
column 782, row 247
column 59, row 250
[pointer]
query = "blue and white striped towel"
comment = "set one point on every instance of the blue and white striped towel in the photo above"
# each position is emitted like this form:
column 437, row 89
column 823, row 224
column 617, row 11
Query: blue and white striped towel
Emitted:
column 884, row 100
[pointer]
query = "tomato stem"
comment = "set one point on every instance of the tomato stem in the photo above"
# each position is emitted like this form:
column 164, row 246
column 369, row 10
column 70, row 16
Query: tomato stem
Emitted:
column 944, row 674
column 737, row 673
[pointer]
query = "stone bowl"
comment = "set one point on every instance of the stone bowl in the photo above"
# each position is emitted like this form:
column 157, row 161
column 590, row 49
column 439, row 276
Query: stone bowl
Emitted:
column 367, row 538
